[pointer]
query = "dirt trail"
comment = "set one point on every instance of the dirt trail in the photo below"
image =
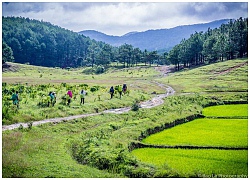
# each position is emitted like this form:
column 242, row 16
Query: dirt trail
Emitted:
column 155, row 101
column 165, row 70
column 231, row 68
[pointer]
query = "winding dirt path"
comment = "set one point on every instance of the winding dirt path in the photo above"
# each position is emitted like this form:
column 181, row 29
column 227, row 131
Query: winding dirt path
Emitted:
column 155, row 101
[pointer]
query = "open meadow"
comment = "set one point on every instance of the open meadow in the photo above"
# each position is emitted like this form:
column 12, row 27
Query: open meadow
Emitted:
column 104, row 145
column 34, row 83
column 221, row 81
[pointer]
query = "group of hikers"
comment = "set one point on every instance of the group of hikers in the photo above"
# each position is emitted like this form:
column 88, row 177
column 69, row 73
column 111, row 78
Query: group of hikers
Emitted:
column 69, row 96
column 83, row 93
column 51, row 98
column 119, row 88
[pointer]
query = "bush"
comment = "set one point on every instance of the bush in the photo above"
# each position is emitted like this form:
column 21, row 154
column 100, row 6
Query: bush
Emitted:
column 135, row 106
column 30, row 125
column 96, row 69
column 99, row 70
column 142, row 171
column 94, row 88
column 93, row 152
column 6, row 114
column 20, row 127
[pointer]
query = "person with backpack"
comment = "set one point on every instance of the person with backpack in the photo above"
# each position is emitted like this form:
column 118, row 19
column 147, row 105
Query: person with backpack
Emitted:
column 124, row 88
column 120, row 90
column 111, row 91
column 82, row 95
column 15, row 98
column 69, row 96
column 52, row 98
column 54, row 94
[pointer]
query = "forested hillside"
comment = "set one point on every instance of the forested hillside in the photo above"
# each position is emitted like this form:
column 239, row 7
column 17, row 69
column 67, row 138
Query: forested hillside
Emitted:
column 41, row 43
column 44, row 44
column 230, row 41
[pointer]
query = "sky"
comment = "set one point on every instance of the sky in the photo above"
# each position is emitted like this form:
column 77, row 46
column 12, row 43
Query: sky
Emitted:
column 119, row 18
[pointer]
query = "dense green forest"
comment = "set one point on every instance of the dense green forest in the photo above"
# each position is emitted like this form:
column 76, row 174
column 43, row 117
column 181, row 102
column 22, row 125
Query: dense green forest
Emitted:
column 230, row 41
column 41, row 43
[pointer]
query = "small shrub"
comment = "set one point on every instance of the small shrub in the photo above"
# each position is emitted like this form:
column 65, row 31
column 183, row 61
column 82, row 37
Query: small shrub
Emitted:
column 4, row 84
column 96, row 110
column 30, row 125
column 143, row 98
column 93, row 89
column 99, row 70
column 20, row 127
column 62, row 108
column 135, row 106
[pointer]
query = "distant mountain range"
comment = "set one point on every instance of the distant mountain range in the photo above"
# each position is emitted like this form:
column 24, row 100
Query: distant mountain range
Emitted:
column 159, row 39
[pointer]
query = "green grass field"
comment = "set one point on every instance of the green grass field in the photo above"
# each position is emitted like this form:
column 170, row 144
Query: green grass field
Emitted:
column 204, row 132
column 42, row 153
column 51, row 150
column 30, row 110
column 97, row 147
column 30, row 74
column 198, row 163
column 60, row 80
column 207, row 78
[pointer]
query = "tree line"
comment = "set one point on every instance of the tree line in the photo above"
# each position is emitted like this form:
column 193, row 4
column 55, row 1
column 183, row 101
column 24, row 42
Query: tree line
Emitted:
column 229, row 41
column 41, row 43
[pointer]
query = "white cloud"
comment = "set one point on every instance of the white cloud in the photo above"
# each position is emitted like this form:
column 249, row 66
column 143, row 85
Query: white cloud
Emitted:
column 120, row 18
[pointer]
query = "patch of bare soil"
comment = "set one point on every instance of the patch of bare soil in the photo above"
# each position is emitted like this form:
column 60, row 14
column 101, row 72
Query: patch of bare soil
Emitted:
column 165, row 70
column 9, row 67
column 231, row 68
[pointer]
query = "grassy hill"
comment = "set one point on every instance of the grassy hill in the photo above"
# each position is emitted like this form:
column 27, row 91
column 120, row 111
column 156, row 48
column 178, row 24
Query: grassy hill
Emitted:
column 99, row 146
column 222, row 80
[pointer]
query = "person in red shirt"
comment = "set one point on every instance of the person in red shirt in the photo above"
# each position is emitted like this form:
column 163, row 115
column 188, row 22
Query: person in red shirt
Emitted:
column 70, row 94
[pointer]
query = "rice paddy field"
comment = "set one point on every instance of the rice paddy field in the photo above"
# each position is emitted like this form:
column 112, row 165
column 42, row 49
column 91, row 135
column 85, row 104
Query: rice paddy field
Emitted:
column 211, row 132
column 196, row 162
column 204, row 132
column 240, row 110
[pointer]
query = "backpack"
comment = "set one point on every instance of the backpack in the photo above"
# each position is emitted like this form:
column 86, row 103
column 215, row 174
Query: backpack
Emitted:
column 111, row 90
column 14, row 97
column 51, row 96
column 124, row 87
